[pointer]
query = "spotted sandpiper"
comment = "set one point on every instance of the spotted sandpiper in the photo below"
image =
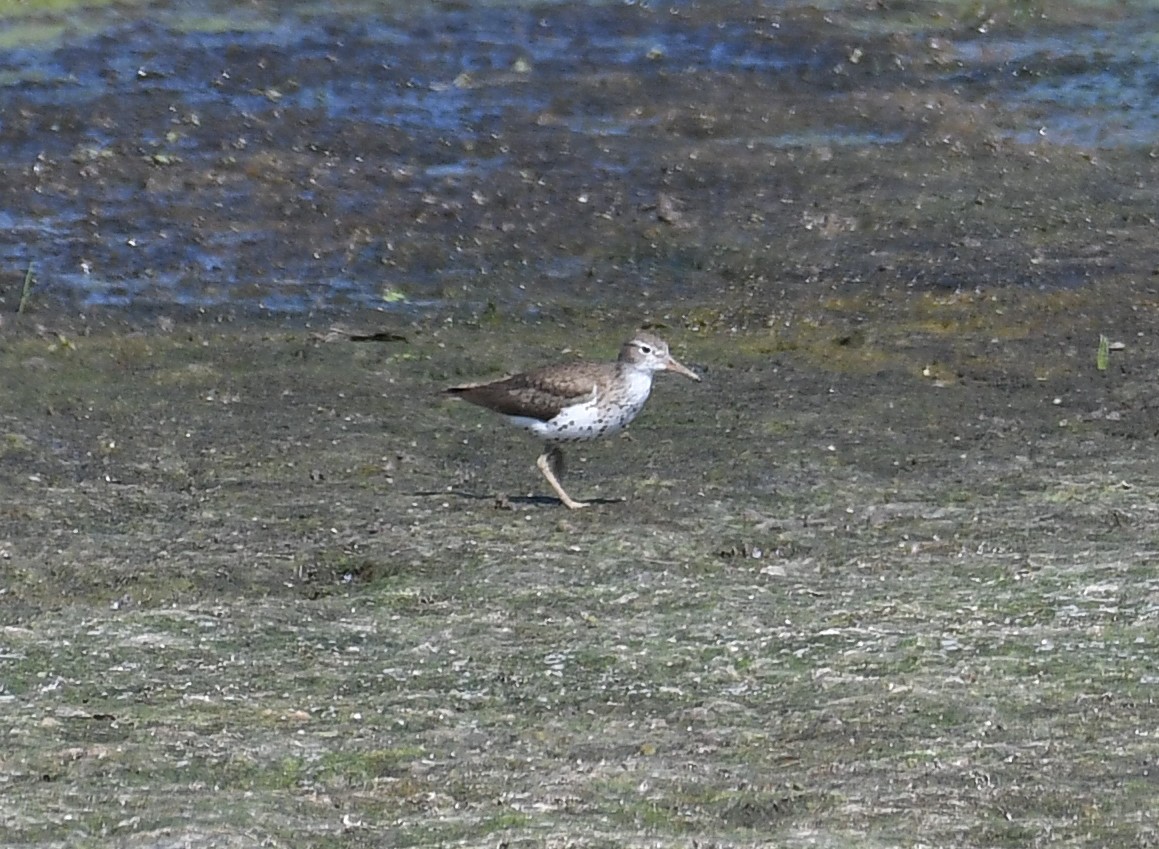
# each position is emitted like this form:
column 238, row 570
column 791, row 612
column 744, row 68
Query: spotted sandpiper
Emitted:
column 578, row 401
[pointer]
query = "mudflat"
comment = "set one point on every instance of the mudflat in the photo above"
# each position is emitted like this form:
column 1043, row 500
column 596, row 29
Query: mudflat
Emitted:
column 886, row 576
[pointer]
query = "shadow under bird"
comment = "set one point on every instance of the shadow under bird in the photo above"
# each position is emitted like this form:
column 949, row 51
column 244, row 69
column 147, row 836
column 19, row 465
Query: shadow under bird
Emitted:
column 578, row 401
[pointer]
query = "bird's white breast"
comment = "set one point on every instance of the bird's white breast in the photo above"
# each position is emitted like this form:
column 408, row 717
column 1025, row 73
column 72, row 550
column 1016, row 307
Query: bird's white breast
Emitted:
column 596, row 416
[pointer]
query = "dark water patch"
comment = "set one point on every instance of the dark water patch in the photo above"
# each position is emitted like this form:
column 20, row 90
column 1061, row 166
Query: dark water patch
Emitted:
column 1094, row 89
column 294, row 158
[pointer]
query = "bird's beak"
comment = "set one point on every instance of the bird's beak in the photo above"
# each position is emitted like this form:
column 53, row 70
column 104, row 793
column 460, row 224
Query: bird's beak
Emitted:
column 672, row 365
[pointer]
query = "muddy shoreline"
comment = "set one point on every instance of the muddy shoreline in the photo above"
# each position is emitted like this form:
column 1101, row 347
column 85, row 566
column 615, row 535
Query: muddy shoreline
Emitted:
column 886, row 576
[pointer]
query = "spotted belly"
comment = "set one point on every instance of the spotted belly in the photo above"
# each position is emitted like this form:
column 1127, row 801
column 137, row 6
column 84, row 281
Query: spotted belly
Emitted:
column 580, row 422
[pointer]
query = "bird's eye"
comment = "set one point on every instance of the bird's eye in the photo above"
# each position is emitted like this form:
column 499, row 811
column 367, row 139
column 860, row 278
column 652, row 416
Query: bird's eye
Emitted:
column 644, row 349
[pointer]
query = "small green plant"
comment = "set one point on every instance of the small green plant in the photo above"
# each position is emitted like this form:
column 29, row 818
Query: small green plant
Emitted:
column 26, row 292
column 1102, row 358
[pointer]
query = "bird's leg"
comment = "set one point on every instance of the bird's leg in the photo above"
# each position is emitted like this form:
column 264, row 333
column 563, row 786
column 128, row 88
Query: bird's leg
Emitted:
column 551, row 464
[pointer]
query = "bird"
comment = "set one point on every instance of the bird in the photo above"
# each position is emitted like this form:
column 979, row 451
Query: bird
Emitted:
column 576, row 401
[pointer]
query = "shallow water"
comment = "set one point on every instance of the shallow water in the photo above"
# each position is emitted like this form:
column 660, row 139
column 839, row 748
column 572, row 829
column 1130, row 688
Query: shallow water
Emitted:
column 1094, row 87
column 298, row 160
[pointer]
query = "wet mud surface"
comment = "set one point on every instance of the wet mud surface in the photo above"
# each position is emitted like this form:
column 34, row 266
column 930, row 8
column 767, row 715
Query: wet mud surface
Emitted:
column 885, row 577
column 289, row 161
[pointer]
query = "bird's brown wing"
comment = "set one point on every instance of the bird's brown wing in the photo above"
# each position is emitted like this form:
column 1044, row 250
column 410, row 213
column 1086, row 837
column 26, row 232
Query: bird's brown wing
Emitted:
column 539, row 394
